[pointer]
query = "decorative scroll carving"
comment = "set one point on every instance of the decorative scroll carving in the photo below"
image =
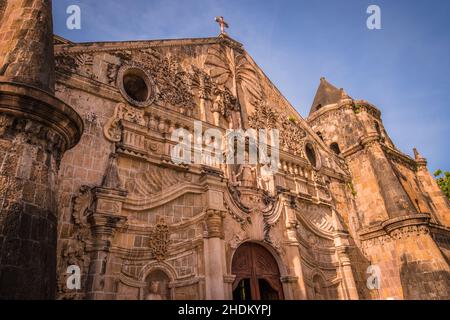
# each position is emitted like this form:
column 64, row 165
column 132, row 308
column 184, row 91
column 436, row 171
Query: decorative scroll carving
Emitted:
column 82, row 206
column 113, row 130
column 111, row 73
column 159, row 240
column 5, row 122
column 201, row 81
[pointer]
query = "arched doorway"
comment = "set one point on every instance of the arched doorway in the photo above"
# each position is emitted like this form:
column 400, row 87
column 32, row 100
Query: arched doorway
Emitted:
column 257, row 274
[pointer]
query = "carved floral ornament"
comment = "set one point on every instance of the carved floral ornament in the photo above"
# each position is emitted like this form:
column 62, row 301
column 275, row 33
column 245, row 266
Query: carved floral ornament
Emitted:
column 159, row 240
column 292, row 135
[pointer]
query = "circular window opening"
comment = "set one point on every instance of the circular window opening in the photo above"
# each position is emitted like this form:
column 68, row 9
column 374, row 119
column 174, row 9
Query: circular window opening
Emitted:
column 311, row 154
column 135, row 87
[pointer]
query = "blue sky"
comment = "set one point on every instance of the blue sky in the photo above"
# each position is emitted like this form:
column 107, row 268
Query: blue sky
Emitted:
column 404, row 69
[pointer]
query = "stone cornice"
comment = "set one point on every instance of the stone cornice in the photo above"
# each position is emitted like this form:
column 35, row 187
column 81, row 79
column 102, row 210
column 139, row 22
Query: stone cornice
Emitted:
column 398, row 156
column 92, row 47
column 356, row 105
column 25, row 102
column 394, row 227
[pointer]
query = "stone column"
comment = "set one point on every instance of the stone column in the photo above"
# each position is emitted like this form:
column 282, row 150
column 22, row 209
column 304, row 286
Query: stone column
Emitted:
column 214, row 255
column 205, row 102
column 105, row 220
column 298, row 287
column 396, row 200
column 26, row 44
column 423, row 269
column 293, row 254
column 36, row 129
column 430, row 186
column 342, row 244
column 345, row 266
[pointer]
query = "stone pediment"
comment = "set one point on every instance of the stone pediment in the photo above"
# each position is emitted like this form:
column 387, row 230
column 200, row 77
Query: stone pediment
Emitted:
column 208, row 79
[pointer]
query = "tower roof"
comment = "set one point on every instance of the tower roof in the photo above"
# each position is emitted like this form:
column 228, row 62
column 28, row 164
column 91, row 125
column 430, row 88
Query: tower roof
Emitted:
column 326, row 94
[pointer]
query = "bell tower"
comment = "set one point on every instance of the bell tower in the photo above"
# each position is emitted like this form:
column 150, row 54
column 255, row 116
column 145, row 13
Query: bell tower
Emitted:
column 36, row 129
column 396, row 213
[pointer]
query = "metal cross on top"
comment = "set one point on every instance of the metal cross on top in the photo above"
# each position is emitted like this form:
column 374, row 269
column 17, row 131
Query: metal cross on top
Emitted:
column 221, row 21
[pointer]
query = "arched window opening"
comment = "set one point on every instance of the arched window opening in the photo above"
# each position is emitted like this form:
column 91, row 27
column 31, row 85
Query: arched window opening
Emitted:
column 319, row 134
column 311, row 154
column 335, row 148
column 378, row 129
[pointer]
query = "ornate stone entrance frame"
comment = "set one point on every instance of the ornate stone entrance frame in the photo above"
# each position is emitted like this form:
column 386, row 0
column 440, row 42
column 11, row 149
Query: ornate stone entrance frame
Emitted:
column 285, row 278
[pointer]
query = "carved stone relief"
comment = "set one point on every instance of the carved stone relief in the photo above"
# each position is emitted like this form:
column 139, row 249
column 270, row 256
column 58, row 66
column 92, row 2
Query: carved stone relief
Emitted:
column 159, row 240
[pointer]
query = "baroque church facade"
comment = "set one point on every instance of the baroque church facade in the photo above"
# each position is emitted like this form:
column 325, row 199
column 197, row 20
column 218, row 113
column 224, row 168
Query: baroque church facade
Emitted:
column 88, row 183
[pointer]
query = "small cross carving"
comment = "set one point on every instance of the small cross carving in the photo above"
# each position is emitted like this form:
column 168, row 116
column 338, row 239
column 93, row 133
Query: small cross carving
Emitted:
column 221, row 21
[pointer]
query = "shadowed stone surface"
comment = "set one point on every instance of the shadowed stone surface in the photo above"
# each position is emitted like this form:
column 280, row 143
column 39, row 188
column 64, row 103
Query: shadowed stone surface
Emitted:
column 96, row 187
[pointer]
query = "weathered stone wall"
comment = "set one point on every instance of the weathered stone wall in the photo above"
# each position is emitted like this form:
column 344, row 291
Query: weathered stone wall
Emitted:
column 35, row 131
column 142, row 213
column 393, row 204
column 27, row 219
column 25, row 53
column 412, row 266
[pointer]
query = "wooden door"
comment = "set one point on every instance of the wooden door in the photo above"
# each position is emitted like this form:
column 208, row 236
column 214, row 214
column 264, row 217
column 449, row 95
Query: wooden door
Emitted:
column 257, row 274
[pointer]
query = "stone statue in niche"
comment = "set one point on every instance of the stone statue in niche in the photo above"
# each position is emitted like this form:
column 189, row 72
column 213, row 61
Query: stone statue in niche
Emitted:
column 158, row 288
column 319, row 289
column 218, row 107
column 234, row 181
column 154, row 291
column 226, row 105
column 247, row 175
column 265, row 177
